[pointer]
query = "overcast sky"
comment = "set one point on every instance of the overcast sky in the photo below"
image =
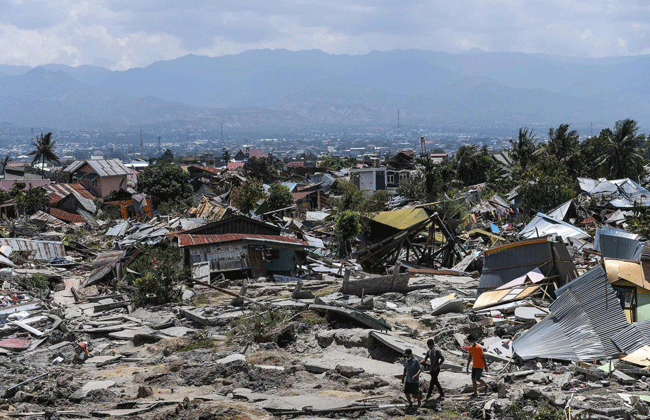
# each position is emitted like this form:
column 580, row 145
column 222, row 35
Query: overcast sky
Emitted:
column 121, row 34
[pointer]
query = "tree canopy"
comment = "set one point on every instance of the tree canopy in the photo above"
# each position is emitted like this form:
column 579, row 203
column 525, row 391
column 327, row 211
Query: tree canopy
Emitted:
column 279, row 197
column 246, row 196
column 166, row 182
column 262, row 169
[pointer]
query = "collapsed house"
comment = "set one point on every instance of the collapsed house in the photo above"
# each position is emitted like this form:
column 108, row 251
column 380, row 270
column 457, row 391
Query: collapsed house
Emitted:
column 505, row 263
column 584, row 319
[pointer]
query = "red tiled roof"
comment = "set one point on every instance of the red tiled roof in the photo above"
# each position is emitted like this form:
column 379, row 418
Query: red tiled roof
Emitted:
column 234, row 165
column 295, row 164
column 185, row 239
column 60, row 191
column 66, row 216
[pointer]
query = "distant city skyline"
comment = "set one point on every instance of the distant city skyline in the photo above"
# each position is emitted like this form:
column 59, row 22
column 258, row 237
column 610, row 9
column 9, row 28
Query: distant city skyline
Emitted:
column 119, row 35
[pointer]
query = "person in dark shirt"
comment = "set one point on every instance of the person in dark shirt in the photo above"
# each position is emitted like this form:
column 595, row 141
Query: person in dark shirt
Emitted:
column 411, row 377
column 436, row 359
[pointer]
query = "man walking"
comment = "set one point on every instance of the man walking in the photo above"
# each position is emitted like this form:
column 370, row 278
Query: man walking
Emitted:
column 436, row 359
column 477, row 358
column 411, row 377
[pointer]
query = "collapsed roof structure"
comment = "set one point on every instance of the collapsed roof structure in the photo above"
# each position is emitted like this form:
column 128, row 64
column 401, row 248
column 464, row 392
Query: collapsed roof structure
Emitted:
column 584, row 318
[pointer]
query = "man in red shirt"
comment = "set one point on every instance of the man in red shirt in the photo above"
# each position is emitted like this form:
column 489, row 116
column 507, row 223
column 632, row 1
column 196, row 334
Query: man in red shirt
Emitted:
column 478, row 358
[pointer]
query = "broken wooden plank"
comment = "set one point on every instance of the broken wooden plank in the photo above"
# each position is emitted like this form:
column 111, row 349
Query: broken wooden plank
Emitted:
column 26, row 327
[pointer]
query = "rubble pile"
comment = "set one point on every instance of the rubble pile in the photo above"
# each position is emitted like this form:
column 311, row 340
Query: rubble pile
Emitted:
column 273, row 317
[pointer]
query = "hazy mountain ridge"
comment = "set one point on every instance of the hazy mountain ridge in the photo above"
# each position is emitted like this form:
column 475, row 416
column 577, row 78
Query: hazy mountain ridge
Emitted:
column 281, row 87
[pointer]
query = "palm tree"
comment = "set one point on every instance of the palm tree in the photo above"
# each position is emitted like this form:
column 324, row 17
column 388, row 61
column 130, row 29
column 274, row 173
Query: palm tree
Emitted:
column 622, row 157
column 44, row 150
column 562, row 143
column 524, row 148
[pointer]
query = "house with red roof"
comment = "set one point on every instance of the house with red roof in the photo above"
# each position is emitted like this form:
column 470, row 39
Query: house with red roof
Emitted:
column 240, row 247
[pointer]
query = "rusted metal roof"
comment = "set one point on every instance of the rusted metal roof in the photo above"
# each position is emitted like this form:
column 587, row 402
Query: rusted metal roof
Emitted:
column 67, row 216
column 40, row 250
column 60, row 191
column 48, row 218
column 185, row 239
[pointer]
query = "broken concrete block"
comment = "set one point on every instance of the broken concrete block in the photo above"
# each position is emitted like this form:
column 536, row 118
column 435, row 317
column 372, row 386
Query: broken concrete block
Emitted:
column 533, row 394
column 144, row 391
column 196, row 317
column 348, row 371
column 623, row 378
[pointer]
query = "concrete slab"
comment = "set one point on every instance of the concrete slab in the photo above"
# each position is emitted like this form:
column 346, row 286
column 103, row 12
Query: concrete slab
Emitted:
column 101, row 360
column 90, row 386
column 290, row 304
column 177, row 331
column 330, row 359
column 232, row 358
column 130, row 333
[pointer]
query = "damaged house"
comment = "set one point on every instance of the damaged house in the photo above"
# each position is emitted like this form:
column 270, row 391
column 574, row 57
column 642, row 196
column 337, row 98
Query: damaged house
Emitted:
column 99, row 176
column 239, row 247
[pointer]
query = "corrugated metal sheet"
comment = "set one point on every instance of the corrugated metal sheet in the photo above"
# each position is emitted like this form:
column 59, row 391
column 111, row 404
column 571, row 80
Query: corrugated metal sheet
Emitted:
column 48, row 218
column 119, row 229
column 402, row 218
column 645, row 251
column 5, row 261
column 67, row 216
column 39, row 250
column 108, row 167
column 314, row 242
column 610, row 231
column 74, row 166
column 619, row 247
column 103, row 167
column 506, row 263
column 316, row 216
column 192, row 240
column 582, row 322
column 193, row 223
column 631, row 338
column 561, row 211
column 60, row 191
column 544, row 225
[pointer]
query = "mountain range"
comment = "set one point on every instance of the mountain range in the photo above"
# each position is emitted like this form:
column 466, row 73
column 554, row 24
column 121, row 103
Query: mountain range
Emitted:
column 280, row 88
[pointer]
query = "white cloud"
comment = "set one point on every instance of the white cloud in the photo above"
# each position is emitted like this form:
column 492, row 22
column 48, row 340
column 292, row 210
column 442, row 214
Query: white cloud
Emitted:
column 123, row 33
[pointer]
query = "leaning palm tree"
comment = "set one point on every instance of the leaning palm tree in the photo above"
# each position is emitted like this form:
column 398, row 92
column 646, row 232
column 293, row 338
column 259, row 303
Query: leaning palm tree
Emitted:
column 44, row 150
column 622, row 157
